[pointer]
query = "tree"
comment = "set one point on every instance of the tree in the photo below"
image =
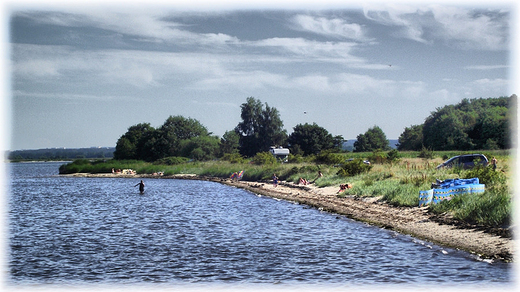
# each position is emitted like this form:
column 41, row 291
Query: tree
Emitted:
column 229, row 143
column 471, row 124
column 178, row 128
column 129, row 145
column 175, row 130
column 178, row 136
column 260, row 128
column 446, row 130
column 411, row 139
column 312, row 139
column 200, row 148
column 373, row 139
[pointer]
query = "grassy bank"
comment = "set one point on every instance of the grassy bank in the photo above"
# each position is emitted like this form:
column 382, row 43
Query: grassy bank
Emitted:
column 397, row 182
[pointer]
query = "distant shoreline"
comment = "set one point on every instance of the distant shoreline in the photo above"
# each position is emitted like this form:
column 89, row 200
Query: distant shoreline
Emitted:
column 413, row 221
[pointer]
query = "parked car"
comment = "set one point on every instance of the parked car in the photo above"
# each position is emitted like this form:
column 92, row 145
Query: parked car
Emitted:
column 466, row 161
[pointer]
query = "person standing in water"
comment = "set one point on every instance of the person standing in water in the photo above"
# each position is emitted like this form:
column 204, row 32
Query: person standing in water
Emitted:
column 141, row 186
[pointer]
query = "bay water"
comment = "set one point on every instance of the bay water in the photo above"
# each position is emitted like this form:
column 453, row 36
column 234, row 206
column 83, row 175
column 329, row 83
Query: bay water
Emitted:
column 89, row 231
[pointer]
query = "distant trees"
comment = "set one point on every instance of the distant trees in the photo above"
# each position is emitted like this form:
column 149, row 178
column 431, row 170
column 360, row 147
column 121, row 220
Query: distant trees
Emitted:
column 373, row 139
column 260, row 128
column 470, row 124
column 312, row 139
column 61, row 153
column 178, row 136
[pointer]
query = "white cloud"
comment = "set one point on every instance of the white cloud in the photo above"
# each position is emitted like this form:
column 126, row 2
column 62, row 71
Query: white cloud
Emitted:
column 487, row 67
column 498, row 86
column 445, row 96
column 36, row 68
column 68, row 96
column 242, row 80
column 460, row 27
column 312, row 50
column 144, row 26
column 335, row 27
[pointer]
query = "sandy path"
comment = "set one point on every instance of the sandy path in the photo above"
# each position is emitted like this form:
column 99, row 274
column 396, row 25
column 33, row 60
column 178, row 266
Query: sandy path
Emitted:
column 414, row 221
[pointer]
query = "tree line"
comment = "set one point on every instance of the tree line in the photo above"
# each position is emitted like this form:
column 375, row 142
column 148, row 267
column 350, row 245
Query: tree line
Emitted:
column 61, row 153
column 472, row 124
column 476, row 124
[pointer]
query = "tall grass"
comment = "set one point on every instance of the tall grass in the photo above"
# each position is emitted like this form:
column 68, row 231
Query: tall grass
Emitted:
column 491, row 208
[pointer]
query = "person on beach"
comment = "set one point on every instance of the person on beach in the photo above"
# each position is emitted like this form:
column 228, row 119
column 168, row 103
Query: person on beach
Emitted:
column 141, row 186
column 344, row 187
column 319, row 175
column 303, row 181
column 275, row 180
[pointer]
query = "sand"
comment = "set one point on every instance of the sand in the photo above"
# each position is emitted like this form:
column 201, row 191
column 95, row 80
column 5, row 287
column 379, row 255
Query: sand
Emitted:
column 494, row 244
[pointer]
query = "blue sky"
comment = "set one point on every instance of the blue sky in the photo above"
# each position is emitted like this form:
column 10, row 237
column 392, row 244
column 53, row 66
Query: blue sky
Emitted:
column 81, row 75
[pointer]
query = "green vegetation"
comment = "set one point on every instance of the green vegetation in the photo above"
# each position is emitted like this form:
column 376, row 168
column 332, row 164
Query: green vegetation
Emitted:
column 396, row 181
column 312, row 139
column 60, row 154
column 184, row 146
column 483, row 123
column 260, row 128
column 373, row 139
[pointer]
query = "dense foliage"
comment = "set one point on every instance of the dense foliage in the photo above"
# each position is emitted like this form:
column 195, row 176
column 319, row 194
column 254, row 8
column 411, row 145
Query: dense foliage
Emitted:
column 373, row 139
column 354, row 167
column 312, row 139
column 471, row 124
column 178, row 136
column 483, row 124
column 260, row 128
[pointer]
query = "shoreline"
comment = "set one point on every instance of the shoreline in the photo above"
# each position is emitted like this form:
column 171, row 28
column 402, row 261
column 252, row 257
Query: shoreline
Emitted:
column 413, row 221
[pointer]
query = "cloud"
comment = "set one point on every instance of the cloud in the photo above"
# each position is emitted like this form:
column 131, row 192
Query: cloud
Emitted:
column 491, row 82
column 309, row 49
column 243, row 80
column 335, row 27
column 68, row 96
column 458, row 27
column 143, row 26
column 444, row 95
column 486, row 67
column 36, row 68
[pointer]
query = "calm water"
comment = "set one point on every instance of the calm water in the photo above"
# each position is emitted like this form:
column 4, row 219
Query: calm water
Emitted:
column 72, row 231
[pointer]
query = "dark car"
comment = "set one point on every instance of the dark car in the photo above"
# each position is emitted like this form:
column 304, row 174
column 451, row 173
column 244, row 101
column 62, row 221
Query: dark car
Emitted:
column 465, row 161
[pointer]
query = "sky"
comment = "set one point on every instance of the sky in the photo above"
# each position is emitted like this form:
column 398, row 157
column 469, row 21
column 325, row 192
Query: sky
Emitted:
column 81, row 75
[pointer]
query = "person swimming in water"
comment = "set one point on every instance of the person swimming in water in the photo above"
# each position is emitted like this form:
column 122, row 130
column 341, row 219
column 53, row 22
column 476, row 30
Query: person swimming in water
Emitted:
column 141, row 186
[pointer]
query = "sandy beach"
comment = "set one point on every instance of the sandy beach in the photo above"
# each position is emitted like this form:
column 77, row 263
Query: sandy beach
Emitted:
column 414, row 221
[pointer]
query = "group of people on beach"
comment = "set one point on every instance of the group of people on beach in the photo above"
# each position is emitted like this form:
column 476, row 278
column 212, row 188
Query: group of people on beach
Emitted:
column 302, row 181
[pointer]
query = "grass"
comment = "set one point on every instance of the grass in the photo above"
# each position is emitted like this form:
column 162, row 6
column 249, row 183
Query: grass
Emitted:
column 397, row 183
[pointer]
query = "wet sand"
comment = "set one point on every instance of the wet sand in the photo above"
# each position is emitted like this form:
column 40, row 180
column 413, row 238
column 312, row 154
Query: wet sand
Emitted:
column 414, row 221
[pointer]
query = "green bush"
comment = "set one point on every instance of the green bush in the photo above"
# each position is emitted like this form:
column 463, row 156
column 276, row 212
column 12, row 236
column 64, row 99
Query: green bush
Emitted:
column 393, row 155
column 264, row 158
column 329, row 158
column 426, row 153
column 487, row 176
column 354, row 167
column 234, row 158
column 378, row 157
column 295, row 158
column 172, row 160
